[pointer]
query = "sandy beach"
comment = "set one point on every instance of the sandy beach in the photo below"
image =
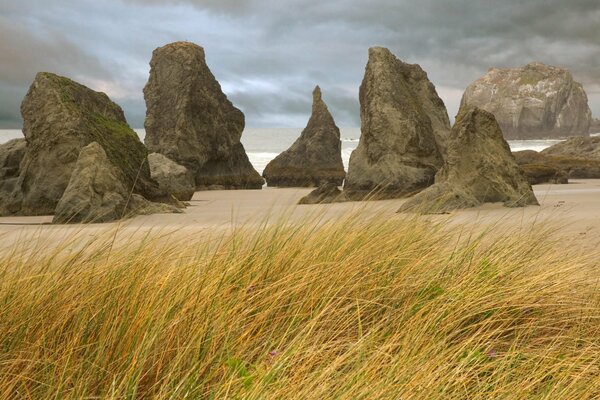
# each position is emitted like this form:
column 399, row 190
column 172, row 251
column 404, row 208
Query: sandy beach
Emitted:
column 573, row 209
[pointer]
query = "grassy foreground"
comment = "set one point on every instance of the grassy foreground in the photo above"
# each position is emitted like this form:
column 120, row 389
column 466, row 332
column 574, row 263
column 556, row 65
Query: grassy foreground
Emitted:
column 354, row 309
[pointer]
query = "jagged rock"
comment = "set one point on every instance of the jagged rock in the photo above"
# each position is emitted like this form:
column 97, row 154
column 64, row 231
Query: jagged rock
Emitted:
column 98, row 192
column 174, row 179
column 533, row 164
column 594, row 126
column 60, row 118
column 532, row 102
column 315, row 158
column 190, row 120
column 402, row 118
column 326, row 193
column 479, row 168
column 576, row 147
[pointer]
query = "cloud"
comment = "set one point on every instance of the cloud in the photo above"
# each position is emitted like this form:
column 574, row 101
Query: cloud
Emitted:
column 268, row 54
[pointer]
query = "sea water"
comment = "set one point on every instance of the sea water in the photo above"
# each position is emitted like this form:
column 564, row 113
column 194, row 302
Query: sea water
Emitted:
column 263, row 145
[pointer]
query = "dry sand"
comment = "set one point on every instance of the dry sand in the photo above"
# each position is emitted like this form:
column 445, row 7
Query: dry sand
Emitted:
column 574, row 208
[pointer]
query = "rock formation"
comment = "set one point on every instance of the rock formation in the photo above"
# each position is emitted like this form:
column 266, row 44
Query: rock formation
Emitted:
column 404, row 125
column 98, row 192
column 190, row 120
column 172, row 178
column 479, row 168
column 315, row 158
column 576, row 147
column 326, row 193
column 532, row 102
column 60, row 118
column 576, row 158
column 594, row 126
column 11, row 155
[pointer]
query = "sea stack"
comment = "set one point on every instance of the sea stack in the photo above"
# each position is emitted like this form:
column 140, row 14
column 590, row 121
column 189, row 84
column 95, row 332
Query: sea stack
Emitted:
column 97, row 192
column 478, row 168
column 536, row 101
column 60, row 118
column 190, row 120
column 402, row 121
column 315, row 158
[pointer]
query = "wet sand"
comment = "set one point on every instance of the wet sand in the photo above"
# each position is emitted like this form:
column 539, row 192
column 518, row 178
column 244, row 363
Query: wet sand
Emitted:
column 574, row 208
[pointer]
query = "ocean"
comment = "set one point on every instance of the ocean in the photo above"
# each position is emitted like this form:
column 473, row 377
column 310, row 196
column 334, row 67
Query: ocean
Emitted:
column 262, row 145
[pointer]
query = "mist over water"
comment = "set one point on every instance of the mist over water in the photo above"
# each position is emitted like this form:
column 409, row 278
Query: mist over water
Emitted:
column 264, row 144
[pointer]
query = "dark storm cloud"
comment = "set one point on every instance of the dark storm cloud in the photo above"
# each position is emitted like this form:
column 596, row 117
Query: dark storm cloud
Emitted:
column 269, row 54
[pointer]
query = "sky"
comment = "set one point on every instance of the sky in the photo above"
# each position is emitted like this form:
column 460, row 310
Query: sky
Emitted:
column 269, row 54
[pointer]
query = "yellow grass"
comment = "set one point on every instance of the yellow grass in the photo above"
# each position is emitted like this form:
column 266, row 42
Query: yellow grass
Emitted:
column 354, row 309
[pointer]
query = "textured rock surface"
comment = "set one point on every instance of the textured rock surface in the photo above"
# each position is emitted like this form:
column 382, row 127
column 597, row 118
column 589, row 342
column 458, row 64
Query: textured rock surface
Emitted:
column 533, row 164
column 60, row 118
column 595, row 126
column 190, row 120
column 326, row 193
column 174, row 179
column 315, row 158
column 535, row 101
column 402, row 118
column 479, row 168
column 97, row 192
column 576, row 147
column 11, row 155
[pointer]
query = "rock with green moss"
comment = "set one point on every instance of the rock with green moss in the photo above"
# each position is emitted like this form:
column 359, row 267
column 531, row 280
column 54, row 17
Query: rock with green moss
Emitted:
column 479, row 168
column 404, row 127
column 532, row 102
column 98, row 192
column 190, row 120
column 315, row 158
column 60, row 118
column 565, row 164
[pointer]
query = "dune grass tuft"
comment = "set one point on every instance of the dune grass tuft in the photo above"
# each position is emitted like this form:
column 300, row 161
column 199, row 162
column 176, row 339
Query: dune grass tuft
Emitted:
column 353, row 309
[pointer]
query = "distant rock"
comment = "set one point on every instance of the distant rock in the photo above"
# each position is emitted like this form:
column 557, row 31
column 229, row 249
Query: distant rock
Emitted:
column 532, row 102
column 190, row 120
column 595, row 126
column 60, row 118
column 479, row 168
column 97, row 192
column 538, row 166
column 315, row 158
column 172, row 178
column 403, row 132
column 576, row 147
column 326, row 193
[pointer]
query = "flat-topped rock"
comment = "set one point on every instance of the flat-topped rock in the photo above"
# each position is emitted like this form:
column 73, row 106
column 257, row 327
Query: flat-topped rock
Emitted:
column 532, row 102
column 60, row 117
column 479, row 168
column 595, row 126
column 542, row 167
column 190, row 120
column 576, row 147
column 315, row 157
column 402, row 121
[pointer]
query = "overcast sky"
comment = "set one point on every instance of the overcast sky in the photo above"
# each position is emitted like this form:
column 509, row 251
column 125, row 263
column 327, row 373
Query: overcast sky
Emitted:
column 269, row 54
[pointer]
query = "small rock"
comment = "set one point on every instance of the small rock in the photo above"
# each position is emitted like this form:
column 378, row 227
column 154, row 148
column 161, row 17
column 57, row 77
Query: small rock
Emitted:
column 326, row 193
column 174, row 179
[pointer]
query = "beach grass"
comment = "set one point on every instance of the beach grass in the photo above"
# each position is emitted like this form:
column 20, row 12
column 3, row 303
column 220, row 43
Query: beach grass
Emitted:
column 380, row 308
